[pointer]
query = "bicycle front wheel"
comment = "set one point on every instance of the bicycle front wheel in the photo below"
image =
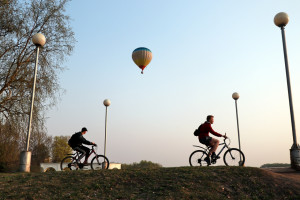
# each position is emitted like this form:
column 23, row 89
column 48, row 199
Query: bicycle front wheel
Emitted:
column 197, row 158
column 99, row 162
column 68, row 163
column 234, row 157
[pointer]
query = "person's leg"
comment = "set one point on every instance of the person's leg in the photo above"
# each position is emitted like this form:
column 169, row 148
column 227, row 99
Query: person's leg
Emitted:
column 207, row 142
column 214, row 143
column 80, row 150
column 87, row 150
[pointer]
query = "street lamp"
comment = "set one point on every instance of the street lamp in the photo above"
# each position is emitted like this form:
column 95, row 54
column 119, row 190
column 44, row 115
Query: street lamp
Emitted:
column 236, row 96
column 38, row 40
column 106, row 103
column 281, row 20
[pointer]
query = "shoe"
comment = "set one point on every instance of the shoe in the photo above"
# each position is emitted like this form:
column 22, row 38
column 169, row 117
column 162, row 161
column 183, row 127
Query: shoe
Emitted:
column 213, row 161
column 199, row 161
column 214, row 156
column 207, row 160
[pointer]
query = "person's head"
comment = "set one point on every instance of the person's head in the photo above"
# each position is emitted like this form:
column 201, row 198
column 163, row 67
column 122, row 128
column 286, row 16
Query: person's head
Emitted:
column 210, row 119
column 83, row 130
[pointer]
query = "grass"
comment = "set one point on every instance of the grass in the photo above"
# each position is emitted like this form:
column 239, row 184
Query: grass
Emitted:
column 163, row 183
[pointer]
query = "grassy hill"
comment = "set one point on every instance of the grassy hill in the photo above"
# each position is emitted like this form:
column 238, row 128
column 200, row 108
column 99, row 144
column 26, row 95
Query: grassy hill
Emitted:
column 163, row 183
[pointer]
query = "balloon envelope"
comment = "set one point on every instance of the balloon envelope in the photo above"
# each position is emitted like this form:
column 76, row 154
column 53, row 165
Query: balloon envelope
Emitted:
column 142, row 57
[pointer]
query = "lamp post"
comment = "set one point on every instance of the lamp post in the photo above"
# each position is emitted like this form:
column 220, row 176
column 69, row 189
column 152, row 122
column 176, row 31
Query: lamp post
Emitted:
column 236, row 96
column 281, row 20
column 106, row 103
column 38, row 40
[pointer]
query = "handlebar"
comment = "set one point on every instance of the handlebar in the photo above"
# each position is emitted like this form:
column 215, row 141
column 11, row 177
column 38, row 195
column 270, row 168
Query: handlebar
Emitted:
column 227, row 138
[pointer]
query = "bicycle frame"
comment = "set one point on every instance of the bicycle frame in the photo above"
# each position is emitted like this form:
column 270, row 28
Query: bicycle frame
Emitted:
column 94, row 152
column 71, row 161
column 230, row 156
column 209, row 147
column 77, row 154
column 224, row 146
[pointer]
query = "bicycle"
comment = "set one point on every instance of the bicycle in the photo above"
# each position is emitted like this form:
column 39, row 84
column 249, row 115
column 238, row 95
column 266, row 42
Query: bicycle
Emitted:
column 232, row 157
column 71, row 162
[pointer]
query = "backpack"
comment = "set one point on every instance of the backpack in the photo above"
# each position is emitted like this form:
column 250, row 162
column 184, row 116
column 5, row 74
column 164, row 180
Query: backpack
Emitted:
column 197, row 131
column 72, row 141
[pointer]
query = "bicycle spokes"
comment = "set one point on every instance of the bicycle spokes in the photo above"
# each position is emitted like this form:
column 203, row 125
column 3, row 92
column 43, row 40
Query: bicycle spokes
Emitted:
column 99, row 162
column 234, row 157
column 197, row 158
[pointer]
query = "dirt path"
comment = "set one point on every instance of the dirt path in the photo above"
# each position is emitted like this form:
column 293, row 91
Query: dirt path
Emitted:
column 289, row 173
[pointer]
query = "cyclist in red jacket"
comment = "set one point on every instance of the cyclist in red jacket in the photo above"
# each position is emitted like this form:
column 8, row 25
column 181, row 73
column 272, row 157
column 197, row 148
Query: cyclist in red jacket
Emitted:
column 204, row 138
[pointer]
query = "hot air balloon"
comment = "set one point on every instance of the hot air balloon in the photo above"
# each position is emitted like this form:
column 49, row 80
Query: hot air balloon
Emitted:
column 142, row 57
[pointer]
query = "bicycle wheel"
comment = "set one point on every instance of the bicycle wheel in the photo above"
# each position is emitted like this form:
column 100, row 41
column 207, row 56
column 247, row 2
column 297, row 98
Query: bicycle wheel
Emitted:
column 197, row 158
column 99, row 162
column 234, row 157
column 68, row 163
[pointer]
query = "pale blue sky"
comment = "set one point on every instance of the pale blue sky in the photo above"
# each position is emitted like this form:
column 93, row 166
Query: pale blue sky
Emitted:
column 203, row 51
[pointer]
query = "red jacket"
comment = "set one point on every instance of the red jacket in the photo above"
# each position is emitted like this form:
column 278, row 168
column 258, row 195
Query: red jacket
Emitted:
column 205, row 129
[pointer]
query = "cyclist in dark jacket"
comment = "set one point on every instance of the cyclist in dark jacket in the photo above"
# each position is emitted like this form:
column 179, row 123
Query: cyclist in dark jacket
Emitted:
column 76, row 142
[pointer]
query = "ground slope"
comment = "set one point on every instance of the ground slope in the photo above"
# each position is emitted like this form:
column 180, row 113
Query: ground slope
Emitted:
column 163, row 183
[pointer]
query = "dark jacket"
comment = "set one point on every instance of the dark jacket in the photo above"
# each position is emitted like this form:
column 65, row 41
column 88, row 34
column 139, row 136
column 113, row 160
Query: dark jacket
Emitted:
column 77, row 139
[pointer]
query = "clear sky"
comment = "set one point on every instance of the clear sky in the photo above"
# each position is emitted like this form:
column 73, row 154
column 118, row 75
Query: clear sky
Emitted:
column 203, row 51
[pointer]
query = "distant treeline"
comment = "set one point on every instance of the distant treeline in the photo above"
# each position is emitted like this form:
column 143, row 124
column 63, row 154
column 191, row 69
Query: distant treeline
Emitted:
column 142, row 165
column 268, row 165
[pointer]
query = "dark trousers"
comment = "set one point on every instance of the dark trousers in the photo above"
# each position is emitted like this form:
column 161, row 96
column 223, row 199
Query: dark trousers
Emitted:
column 83, row 150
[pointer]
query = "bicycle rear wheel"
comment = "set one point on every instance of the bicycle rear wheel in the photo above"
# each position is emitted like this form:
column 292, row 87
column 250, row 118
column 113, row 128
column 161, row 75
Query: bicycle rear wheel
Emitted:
column 234, row 157
column 68, row 163
column 197, row 158
column 99, row 162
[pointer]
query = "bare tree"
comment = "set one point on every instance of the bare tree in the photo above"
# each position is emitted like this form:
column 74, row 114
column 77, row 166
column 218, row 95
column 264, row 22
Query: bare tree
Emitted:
column 19, row 21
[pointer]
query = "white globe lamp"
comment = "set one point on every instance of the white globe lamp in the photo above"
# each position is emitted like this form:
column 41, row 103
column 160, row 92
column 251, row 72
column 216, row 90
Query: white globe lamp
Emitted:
column 39, row 39
column 106, row 102
column 235, row 96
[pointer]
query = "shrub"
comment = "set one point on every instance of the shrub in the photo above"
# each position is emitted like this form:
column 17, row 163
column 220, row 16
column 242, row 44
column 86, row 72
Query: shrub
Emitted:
column 143, row 164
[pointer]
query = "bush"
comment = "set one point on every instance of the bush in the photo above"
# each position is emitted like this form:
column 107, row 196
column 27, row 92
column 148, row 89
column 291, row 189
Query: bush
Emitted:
column 143, row 164
column 50, row 169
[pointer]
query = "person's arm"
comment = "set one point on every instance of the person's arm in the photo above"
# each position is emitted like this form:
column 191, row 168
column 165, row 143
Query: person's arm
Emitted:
column 214, row 132
column 84, row 141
